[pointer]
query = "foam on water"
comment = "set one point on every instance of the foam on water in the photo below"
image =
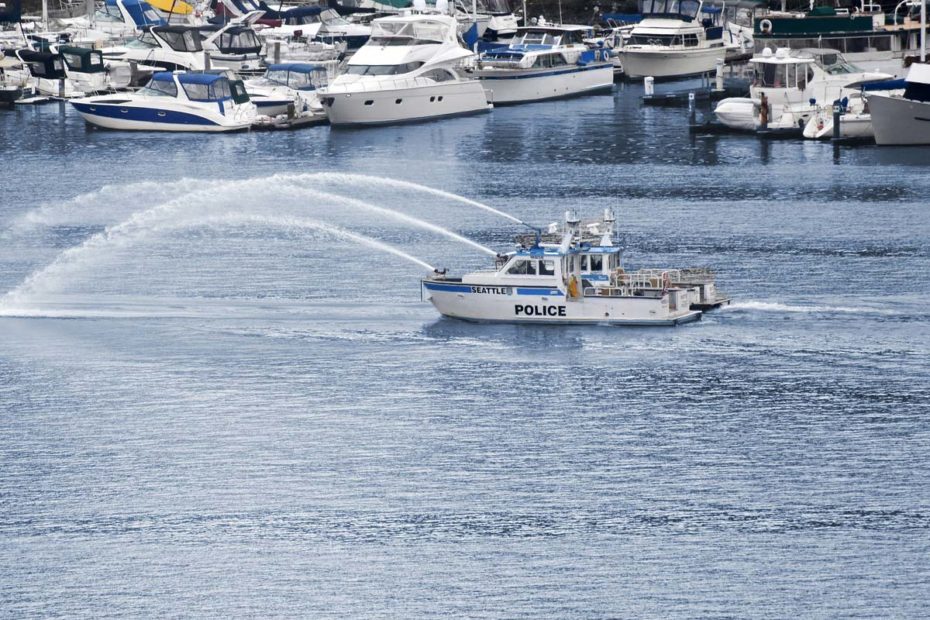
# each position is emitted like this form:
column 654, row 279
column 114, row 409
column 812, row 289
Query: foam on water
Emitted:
column 197, row 208
column 773, row 306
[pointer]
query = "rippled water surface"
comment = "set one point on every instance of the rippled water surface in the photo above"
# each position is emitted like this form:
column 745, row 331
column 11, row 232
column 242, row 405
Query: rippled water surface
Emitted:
column 213, row 403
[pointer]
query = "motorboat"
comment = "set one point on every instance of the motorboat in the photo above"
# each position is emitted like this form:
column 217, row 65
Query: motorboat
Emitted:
column 289, row 89
column 228, row 10
column 868, row 36
column 672, row 41
column 905, row 118
column 166, row 47
column 234, row 46
column 114, row 21
column 174, row 101
column 554, row 283
column 411, row 69
column 791, row 85
column 48, row 74
column 89, row 73
column 544, row 63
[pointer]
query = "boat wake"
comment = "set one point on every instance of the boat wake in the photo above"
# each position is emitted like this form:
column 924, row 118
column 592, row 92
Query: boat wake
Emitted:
column 769, row 306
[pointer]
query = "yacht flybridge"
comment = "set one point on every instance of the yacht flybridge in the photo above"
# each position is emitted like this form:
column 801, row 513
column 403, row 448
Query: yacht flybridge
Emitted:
column 579, row 280
column 412, row 68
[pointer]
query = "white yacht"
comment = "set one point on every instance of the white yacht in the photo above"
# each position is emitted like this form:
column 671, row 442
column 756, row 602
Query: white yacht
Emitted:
column 904, row 119
column 795, row 83
column 577, row 281
column 412, row 68
column 174, row 101
column 544, row 63
column 672, row 41
column 167, row 47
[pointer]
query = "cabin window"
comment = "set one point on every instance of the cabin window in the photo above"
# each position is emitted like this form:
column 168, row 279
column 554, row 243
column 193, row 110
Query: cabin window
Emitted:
column 383, row 69
column 691, row 40
column 595, row 262
column 774, row 75
column 439, row 75
column 547, row 267
column 523, row 268
column 73, row 61
column 184, row 41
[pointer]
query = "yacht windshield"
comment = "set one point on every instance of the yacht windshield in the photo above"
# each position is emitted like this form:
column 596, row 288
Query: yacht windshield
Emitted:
column 331, row 18
column 383, row 69
column 243, row 40
column 216, row 91
column 182, row 41
column 297, row 80
column 159, row 88
column 145, row 40
column 540, row 38
column 685, row 8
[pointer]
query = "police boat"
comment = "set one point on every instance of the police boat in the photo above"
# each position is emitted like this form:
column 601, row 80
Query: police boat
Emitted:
column 579, row 280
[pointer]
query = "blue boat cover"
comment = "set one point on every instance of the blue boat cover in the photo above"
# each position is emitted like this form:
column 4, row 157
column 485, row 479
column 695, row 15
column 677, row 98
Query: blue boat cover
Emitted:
column 11, row 12
column 140, row 11
column 885, row 85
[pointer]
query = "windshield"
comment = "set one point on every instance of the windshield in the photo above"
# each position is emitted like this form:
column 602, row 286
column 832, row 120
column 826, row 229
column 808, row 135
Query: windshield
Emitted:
column 183, row 41
column 239, row 40
column 400, row 33
column 159, row 88
column 331, row 18
column 294, row 79
column 208, row 92
column 145, row 40
column 688, row 8
column 383, row 69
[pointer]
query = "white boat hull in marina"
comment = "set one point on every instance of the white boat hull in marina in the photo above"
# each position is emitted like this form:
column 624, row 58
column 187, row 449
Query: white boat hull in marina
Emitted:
column 525, row 304
column 899, row 121
column 519, row 86
column 420, row 100
column 141, row 124
column 643, row 62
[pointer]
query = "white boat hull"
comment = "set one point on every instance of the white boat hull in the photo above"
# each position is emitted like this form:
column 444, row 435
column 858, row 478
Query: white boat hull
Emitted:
column 853, row 126
column 899, row 121
column 508, row 86
column 738, row 113
column 399, row 105
column 659, row 63
column 134, row 117
column 523, row 304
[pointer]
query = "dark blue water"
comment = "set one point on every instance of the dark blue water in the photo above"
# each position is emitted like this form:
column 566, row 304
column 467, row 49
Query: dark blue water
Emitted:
column 210, row 406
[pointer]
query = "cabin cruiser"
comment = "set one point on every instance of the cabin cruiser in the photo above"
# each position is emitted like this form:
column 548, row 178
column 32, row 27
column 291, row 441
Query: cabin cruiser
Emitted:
column 174, row 101
column 671, row 41
column 868, row 36
column 411, row 69
column 794, row 83
column 289, row 88
column 114, row 20
column 576, row 281
column 166, row 47
column 89, row 73
column 235, row 47
column 544, row 63
column 49, row 77
column 905, row 118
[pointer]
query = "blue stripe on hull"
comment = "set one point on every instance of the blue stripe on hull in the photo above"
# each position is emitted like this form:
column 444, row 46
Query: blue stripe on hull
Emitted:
column 144, row 115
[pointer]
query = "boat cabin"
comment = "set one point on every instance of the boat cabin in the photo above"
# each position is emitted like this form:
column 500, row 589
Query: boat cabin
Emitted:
column 234, row 39
column 44, row 65
column 177, row 38
column 202, row 87
column 82, row 59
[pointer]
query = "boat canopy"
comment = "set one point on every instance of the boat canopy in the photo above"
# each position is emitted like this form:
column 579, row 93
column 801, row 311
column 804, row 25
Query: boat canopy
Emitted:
column 140, row 11
column 82, row 59
column 685, row 10
column 299, row 76
column 177, row 7
column 234, row 40
column 43, row 64
column 200, row 86
column 293, row 17
column 179, row 38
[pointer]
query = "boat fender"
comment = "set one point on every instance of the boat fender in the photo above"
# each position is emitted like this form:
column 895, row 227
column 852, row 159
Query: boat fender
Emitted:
column 765, row 26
